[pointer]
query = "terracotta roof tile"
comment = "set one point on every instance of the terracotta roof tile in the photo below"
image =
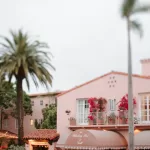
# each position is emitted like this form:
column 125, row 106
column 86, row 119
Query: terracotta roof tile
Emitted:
column 112, row 72
column 8, row 134
column 43, row 134
column 45, row 94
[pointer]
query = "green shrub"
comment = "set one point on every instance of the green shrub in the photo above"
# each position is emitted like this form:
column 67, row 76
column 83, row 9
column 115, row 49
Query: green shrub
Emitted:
column 17, row 147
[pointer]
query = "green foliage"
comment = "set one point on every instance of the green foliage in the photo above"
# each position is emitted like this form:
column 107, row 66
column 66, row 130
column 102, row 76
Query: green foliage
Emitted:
column 133, row 7
column 37, row 124
column 22, row 57
column 49, row 117
column 11, row 142
column 8, row 97
column 17, row 147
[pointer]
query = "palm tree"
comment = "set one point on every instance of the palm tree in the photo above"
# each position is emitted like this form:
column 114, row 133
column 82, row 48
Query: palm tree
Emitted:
column 129, row 8
column 23, row 58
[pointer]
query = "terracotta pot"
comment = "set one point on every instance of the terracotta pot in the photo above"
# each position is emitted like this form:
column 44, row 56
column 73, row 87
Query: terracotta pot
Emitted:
column 122, row 121
column 110, row 122
column 90, row 122
column 100, row 121
column 72, row 122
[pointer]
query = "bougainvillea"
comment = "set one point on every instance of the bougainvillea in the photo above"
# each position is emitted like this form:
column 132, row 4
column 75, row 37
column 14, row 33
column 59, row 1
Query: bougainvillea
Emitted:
column 96, row 105
column 124, row 103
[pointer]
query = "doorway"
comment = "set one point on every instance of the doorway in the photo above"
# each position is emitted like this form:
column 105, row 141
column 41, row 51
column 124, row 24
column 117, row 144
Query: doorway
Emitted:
column 39, row 147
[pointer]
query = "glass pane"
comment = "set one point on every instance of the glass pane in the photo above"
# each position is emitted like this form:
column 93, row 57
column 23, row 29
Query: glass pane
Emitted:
column 144, row 118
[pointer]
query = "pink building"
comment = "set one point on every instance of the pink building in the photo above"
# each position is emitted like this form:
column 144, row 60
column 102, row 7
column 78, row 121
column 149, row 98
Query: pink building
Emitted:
column 39, row 101
column 107, row 130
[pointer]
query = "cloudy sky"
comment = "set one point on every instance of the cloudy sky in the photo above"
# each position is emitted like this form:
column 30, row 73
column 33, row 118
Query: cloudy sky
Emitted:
column 87, row 37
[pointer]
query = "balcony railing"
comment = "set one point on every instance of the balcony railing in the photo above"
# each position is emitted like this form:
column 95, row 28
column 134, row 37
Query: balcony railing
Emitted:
column 103, row 118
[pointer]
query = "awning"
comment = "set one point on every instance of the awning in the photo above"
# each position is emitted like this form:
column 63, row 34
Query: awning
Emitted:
column 142, row 140
column 89, row 139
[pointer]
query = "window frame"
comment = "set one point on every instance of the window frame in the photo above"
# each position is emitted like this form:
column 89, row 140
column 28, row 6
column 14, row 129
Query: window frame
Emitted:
column 41, row 102
column 16, row 123
column 112, row 104
column 5, row 123
column 84, row 113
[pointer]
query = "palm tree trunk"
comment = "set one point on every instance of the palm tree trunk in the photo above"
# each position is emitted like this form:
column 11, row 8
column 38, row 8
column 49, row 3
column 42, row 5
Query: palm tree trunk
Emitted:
column 130, row 91
column 20, row 110
column 1, row 119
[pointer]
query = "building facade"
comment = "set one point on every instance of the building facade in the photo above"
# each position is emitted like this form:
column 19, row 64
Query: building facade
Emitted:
column 82, row 128
column 38, row 101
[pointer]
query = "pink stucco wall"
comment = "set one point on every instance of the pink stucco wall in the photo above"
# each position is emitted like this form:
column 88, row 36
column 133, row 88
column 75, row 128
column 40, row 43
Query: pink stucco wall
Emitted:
column 97, row 88
column 145, row 67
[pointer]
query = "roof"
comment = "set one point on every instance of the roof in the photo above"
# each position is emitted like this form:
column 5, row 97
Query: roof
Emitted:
column 8, row 134
column 42, row 134
column 45, row 94
column 95, row 79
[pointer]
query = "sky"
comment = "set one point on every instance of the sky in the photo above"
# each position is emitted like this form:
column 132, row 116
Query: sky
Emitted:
column 86, row 37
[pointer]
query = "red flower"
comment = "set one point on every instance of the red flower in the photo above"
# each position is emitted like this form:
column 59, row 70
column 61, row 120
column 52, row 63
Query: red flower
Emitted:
column 124, row 103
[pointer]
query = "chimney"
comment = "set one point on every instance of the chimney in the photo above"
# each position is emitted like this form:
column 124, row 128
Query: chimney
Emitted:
column 145, row 67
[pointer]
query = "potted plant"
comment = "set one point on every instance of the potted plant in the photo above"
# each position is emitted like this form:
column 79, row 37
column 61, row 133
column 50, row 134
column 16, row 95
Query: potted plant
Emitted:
column 136, row 120
column 123, row 109
column 112, row 118
column 97, row 107
column 72, row 121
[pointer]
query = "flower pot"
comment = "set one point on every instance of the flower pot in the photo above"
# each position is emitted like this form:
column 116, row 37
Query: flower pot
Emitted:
column 122, row 121
column 100, row 121
column 90, row 122
column 111, row 122
column 72, row 122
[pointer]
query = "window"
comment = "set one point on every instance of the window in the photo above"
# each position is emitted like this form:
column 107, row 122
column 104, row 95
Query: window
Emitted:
column 41, row 102
column 82, row 111
column 16, row 123
column 5, row 123
column 31, row 122
column 112, row 104
column 145, row 109
column 32, row 103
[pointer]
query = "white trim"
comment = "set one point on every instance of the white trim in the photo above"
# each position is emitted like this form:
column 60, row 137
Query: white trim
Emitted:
column 16, row 124
column 77, row 114
column 5, row 123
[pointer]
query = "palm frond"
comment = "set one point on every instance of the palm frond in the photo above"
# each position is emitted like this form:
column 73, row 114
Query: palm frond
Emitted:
column 28, row 58
column 141, row 9
column 126, row 7
column 136, row 26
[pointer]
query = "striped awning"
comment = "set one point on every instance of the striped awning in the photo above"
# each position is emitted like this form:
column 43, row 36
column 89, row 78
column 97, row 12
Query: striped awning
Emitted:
column 142, row 140
column 95, row 139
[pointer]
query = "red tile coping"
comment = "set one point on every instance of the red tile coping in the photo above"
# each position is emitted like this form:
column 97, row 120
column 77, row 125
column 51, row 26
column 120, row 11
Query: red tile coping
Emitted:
column 112, row 72
column 45, row 94
column 8, row 134
column 43, row 134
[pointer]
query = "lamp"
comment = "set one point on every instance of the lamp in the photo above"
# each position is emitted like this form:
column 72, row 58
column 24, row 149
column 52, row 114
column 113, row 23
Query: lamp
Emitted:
column 68, row 112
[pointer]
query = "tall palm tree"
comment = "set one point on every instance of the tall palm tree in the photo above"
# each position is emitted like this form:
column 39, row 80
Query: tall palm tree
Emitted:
column 129, row 8
column 22, row 58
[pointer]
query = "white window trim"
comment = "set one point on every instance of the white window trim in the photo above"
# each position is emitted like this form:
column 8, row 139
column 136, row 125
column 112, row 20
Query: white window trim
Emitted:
column 112, row 104
column 5, row 123
column 148, row 110
column 77, row 114
column 41, row 102
column 16, row 124
column 32, row 103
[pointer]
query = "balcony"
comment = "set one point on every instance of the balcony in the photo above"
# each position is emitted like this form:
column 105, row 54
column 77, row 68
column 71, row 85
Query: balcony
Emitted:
column 107, row 121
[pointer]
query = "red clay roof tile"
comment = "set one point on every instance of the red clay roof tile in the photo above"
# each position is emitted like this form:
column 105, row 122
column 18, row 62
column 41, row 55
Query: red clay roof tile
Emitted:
column 8, row 134
column 49, row 134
